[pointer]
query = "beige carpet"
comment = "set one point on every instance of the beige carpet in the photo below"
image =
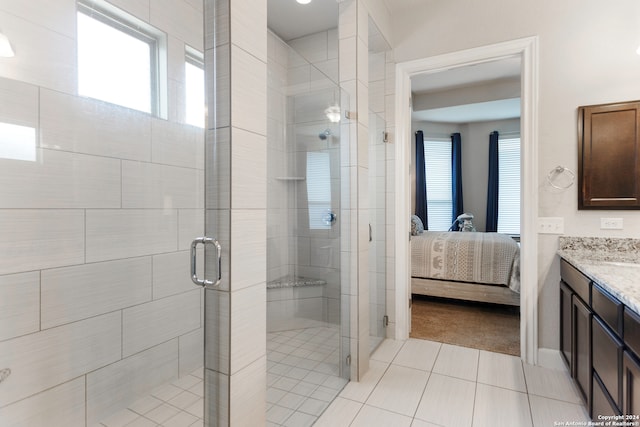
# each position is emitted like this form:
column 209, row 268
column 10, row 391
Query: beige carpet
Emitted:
column 483, row 326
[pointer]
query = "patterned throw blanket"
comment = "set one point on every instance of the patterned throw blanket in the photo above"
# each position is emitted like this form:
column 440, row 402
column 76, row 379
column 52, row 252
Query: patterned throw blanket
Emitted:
column 487, row 258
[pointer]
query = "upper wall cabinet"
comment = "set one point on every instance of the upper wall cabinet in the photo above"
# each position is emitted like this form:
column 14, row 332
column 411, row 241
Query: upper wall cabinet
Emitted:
column 609, row 156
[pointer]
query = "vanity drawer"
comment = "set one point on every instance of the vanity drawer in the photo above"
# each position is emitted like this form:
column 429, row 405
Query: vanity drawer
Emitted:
column 631, row 333
column 576, row 280
column 602, row 404
column 607, row 307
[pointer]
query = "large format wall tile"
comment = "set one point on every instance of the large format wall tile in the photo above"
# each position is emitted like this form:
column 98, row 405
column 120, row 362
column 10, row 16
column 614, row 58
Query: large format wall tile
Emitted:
column 113, row 234
column 19, row 103
column 176, row 144
column 43, row 57
column 84, row 125
column 116, row 386
column 246, row 17
column 248, row 332
column 35, row 239
column 249, row 170
column 249, row 92
column 170, row 273
column 249, row 248
column 63, row 405
column 80, row 292
column 42, row 360
column 148, row 185
column 191, row 351
column 180, row 19
column 60, row 180
column 150, row 324
column 19, row 300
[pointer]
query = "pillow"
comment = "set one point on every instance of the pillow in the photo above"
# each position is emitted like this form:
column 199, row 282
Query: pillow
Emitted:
column 416, row 225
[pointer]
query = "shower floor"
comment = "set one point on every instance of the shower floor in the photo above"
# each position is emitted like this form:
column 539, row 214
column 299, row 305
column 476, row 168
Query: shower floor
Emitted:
column 302, row 374
column 302, row 380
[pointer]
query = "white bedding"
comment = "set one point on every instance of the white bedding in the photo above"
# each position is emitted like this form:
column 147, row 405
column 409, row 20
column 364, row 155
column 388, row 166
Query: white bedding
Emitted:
column 473, row 257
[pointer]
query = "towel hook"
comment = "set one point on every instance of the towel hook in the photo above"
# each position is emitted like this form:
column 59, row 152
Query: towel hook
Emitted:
column 557, row 171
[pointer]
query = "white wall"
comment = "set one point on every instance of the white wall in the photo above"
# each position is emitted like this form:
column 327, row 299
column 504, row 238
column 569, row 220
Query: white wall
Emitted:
column 586, row 56
column 94, row 235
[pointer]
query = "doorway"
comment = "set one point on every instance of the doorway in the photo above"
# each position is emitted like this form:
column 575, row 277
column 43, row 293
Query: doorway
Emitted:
column 526, row 49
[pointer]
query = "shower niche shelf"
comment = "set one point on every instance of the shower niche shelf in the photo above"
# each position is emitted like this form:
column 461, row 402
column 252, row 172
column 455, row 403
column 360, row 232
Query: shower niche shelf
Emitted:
column 290, row 178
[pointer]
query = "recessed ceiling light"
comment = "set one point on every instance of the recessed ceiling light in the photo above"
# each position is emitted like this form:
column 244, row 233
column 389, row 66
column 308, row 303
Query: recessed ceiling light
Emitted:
column 304, row 1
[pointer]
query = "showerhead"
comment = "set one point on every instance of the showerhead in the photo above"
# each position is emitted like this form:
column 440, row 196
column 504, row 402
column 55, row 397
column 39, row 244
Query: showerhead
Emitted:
column 323, row 135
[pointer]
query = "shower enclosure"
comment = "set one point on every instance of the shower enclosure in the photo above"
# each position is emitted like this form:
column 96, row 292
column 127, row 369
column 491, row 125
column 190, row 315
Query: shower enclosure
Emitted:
column 305, row 352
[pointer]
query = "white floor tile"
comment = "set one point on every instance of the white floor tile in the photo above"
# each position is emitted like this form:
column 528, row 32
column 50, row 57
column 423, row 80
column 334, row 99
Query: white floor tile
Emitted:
column 418, row 354
column 144, row 405
column 501, row 370
column 340, row 413
column 546, row 412
column 387, row 351
column 447, row 401
column 360, row 391
column 459, row 362
column 120, row 419
column 370, row 416
column 162, row 413
column 419, row 423
column 399, row 390
column 182, row 419
column 499, row 407
column 550, row 383
column 300, row 419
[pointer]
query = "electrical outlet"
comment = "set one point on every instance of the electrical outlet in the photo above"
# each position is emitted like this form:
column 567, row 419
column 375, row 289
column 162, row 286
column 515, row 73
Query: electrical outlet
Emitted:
column 551, row 225
column 611, row 223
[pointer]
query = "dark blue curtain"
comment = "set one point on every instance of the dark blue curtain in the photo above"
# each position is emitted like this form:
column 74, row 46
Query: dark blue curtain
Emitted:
column 456, row 176
column 421, row 181
column 492, row 188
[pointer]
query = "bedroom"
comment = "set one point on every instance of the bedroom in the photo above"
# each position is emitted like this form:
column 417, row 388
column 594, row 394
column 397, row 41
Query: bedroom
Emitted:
column 474, row 102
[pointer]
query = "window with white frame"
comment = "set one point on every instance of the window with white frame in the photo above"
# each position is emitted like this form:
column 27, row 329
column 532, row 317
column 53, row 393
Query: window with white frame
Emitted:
column 437, row 159
column 509, row 185
column 194, row 87
column 119, row 58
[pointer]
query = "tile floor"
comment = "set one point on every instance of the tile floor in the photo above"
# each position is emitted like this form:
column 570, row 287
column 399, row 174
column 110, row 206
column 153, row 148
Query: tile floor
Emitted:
column 420, row 383
column 302, row 375
column 415, row 383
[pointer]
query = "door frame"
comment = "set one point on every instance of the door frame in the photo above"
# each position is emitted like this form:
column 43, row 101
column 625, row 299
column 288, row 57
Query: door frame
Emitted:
column 527, row 50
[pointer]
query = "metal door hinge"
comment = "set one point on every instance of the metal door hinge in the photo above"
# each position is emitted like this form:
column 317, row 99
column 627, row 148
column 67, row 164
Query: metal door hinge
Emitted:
column 385, row 320
column 348, row 360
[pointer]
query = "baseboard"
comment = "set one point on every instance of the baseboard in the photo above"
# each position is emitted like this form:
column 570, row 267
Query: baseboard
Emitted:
column 551, row 359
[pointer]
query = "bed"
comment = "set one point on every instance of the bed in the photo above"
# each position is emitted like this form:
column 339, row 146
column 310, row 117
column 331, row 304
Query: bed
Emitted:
column 469, row 266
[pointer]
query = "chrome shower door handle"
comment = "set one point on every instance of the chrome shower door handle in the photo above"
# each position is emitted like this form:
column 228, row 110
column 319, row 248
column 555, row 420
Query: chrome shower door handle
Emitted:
column 194, row 275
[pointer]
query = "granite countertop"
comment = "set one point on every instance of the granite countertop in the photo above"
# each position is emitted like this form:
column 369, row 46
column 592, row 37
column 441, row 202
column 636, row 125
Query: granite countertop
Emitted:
column 613, row 263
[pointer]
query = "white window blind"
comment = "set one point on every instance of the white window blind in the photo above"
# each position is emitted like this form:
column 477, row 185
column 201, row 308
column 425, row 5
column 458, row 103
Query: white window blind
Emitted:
column 437, row 156
column 194, row 87
column 318, row 189
column 509, row 186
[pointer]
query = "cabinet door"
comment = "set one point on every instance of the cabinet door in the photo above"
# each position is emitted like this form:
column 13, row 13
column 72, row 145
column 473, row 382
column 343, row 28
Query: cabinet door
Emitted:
column 630, row 385
column 607, row 359
column 565, row 323
column 608, row 156
column 581, row 321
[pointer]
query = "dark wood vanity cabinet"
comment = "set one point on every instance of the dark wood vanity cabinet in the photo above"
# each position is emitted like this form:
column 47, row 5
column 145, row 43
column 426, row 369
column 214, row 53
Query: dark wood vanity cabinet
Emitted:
column 599, row 341
column 609, row 156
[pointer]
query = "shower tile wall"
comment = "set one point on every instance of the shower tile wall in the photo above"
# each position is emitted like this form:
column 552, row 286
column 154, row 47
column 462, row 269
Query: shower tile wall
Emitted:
column 96, row 306
column 303, row 75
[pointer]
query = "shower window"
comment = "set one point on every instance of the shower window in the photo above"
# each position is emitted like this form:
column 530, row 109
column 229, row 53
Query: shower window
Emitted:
column 318, row 189
column 118, row 58
column 194, row 87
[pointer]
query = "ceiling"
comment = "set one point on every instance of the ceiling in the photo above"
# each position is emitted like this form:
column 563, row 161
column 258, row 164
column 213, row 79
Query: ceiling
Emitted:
column 291, row 20
column 467, row 76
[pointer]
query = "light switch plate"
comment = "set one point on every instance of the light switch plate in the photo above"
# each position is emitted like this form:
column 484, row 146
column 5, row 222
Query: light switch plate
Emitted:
column 551, row 225
column 611, row 223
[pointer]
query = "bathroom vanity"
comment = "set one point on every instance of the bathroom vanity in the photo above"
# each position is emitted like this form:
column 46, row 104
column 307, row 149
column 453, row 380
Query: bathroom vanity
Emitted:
column 600, row 322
